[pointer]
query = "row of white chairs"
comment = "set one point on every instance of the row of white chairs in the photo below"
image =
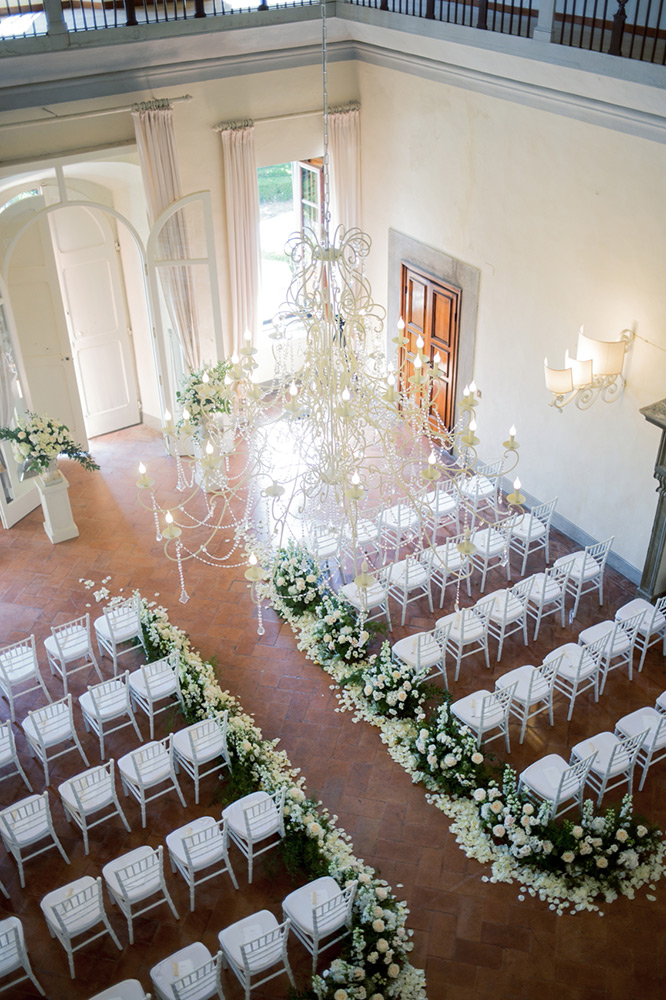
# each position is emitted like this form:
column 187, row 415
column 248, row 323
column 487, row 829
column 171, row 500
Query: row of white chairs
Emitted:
column 603, row 762
column 50, row 731
column 69, row 649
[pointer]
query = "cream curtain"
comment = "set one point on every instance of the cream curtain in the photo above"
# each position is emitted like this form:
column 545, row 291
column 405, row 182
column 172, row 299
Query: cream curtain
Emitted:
column 242, row 203
column 153, row 126
column 344, row 133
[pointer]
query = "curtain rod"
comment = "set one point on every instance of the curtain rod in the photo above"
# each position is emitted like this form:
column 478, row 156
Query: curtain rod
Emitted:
column 247, row 122
column 84, row 114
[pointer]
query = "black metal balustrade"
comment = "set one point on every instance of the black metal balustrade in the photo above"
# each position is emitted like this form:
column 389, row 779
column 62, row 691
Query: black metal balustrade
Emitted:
column 635, row 29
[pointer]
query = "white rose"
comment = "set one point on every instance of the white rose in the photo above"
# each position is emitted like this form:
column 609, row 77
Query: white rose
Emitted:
column 479, row 794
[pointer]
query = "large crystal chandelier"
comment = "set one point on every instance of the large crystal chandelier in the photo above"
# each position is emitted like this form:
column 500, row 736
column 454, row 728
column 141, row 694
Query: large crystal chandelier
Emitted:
column 342, row 433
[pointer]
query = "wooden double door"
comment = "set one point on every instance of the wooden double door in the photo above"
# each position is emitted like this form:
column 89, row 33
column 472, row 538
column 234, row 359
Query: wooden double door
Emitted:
column 431, row 310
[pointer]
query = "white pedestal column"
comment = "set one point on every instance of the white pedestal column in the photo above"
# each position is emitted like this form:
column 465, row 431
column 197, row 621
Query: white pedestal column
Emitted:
column 58, row 521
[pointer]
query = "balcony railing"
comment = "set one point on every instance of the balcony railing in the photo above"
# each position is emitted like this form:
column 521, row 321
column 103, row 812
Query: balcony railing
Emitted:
column 635, row 29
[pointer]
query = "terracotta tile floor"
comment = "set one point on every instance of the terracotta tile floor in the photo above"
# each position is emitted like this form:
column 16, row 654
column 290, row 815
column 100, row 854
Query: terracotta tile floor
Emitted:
column 474, row 939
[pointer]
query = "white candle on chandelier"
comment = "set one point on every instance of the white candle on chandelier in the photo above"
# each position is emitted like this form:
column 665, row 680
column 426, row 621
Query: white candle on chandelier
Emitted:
column 209, row 448
column 186, row 414
column 436, row 358
column 248, row 338
column 345, row 395
column 293, row 389
column 432, row 458
column 167, row 417
column 356, row 479
column 204, row 378
column 253, row 559
column 142, row 469
column 234, row 358
column 401, row 325
column 512, row 431
column 390, row 381
column 466, row 391
column 420, row 342
column 472, row 388
column 228, row 379
column 472, row 425
column 417, row 362
column 517, row 484
column 168, row 517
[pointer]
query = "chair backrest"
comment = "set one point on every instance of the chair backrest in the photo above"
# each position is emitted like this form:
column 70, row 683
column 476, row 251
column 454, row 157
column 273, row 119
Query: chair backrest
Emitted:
column 482, row 609
column 200, row 982
column 630, row 626
column 543, row 513
column 522, row 590
column 92, row 786
column 506, row 525
column 557, row 574
column 599, row 551
column 594, row 650
column 625, row 751
column 83, row 909
column 7, row 744
column 68, row 637
column 111, row 692
column 336, row 911
column 205, row 735
column 547, row 672
column 53, row 722
column 259, row 815
column 200, row 843
column 23, row 818
column 154, row 673
column 123, row 616
column 265, row 950
column 17, row 657
column 441, row 635
column 573, row 778
column 12, row 945
column 149, row 761
column 502, row 697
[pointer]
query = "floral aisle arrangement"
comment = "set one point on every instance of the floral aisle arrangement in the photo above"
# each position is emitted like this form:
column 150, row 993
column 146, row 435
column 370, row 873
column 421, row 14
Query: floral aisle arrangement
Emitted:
column 340, row 631
column 375, row 964
column 297, row 578
column 205, row 392
column 573, row 866
column 37, row 441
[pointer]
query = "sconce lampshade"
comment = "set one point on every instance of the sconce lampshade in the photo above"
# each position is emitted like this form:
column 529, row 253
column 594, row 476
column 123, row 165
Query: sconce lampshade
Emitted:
column 558, row 380
column 607, row 357
column 581, row 371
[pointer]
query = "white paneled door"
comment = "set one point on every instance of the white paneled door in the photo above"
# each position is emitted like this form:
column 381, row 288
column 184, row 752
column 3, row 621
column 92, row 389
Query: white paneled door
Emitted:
column 93, row 294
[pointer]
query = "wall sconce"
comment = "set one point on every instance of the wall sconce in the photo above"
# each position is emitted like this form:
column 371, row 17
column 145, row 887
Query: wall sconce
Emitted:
column 596, row 371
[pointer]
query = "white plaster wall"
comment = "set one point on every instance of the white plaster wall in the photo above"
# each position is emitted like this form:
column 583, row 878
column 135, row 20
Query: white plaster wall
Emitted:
column 565, row 222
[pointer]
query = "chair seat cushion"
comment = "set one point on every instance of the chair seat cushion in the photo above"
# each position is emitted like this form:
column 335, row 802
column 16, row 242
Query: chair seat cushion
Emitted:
column 420, row 650
column 153, row 770
column 400, row 516
column 203, row 853
column 244, row 931
column 468, row 710
column 440, row 502
column 529, row 527
column 544, row 775
column 660, row 704
column 18, row 665
column 93, row 796
column 603, row 745
column 74, row 645
column 465, row 626
column 111, row 706
column 178, row 964
column 653, row 621
column 408, row 574
column 132, row 887
column 524, row 676
column 9, row 958
column 262, row 826
column 544, row 590
column 206, row 747
column 160, row 685
column 644, row 718
column 25, row 830
column 375, row 595
column 51, row 730
column 574, row 663
column 488, row 542
column 76, row 920
column 583, row 566
column 299, row 906
column 506, row 607
column 124, row 627
column 446, row 559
